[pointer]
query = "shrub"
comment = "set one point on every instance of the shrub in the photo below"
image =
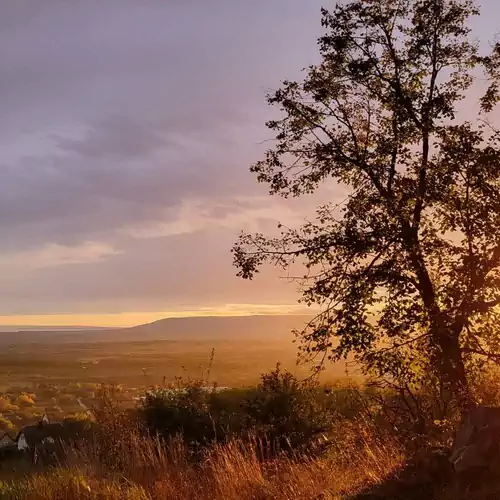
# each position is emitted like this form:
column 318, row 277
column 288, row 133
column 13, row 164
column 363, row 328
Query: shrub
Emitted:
column 26, row 399
column 78, row 416
column 5, row 424
column 281, row 410
column 6, row 405
column 288, row 411
column 183, row 408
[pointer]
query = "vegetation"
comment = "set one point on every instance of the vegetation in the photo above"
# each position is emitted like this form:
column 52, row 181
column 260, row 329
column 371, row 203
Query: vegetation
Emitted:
column 406, row 271
column 229, row 471
column 56, row 378
column 281, row 410
column 238, row 362
column 409, row 262
column 284, row 439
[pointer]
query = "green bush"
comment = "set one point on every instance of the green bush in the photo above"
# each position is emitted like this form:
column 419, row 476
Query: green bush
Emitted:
column 287, row 411
column 180, row 410
column 281, row 410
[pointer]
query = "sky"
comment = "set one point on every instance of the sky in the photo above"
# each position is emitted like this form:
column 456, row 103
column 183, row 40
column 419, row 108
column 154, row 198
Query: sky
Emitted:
column 127, row 132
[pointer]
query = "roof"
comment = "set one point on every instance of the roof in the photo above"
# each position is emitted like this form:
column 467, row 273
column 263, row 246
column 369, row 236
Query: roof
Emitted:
column 35, row 434
column 6, row 439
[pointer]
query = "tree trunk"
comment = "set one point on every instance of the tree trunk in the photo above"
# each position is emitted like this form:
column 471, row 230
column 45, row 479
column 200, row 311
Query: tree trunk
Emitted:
column 444, row 335
column 451, row 368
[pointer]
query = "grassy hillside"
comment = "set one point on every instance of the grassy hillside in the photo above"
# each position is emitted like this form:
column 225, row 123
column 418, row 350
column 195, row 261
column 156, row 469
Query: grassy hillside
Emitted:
column 281, row 440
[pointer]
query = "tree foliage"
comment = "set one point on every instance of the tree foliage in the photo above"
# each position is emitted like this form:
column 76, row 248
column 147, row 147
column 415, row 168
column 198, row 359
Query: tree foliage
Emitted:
column 281, row 411
column 410, row 260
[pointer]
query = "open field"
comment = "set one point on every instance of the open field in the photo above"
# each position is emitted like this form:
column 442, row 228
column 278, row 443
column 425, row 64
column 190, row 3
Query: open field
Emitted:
column 144, row 363
column 244, row 348
column 55, row 372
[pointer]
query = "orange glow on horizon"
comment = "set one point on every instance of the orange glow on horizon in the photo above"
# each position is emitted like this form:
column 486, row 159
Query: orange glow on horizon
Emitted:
column 127, row 319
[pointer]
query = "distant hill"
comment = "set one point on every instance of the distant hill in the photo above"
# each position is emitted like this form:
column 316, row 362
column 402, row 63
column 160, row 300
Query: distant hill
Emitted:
column 192, row 328
column 213, row 327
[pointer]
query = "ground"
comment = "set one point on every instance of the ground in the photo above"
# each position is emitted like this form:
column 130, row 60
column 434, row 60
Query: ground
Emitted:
column 50, row 377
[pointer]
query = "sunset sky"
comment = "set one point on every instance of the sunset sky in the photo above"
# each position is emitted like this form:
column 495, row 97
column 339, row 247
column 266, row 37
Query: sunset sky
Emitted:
column 126, row 135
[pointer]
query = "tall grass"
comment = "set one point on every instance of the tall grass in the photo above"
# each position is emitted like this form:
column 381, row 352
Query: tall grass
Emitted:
column 124, row 457
column 147, row 469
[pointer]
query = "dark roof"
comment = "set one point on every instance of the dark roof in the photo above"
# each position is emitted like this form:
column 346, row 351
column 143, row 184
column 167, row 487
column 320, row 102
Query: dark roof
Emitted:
column 35, row 434
column 6, row 435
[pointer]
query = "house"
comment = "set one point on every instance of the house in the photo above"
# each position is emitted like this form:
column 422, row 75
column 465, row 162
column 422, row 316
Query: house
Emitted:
column 8, row 448
column 6, row 441
column 36, row 436
column 42, row 441
column 49, row 440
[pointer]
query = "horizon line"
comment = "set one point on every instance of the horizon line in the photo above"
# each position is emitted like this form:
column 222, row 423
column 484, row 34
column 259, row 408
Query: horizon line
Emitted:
column 130, row 319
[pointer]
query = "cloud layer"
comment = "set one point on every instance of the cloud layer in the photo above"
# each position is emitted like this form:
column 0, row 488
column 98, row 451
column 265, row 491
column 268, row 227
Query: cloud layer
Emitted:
column 126, row 134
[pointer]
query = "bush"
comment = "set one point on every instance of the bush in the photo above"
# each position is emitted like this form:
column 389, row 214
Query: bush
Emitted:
column 287, row 411
column 111, row 428
column 281, row 410
column 6, row 425
column 180, row 410
column 6, row 405
column 26, row 399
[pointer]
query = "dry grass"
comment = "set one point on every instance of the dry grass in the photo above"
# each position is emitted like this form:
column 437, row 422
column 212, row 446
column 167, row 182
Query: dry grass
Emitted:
column 143, row 469
column 358, row 460
column 121, row 464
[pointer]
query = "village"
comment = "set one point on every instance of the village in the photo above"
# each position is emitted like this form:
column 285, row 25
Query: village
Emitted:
column 39, row 421
column 44, row 440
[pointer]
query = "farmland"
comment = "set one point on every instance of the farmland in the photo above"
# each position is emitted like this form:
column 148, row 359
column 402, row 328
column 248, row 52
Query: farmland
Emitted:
column 53, row 375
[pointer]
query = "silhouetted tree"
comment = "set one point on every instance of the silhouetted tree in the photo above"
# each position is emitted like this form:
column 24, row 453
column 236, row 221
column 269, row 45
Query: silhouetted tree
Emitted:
column 411, row 257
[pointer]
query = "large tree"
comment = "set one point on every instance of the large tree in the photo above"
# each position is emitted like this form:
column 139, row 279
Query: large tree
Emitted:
column 412, row 256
